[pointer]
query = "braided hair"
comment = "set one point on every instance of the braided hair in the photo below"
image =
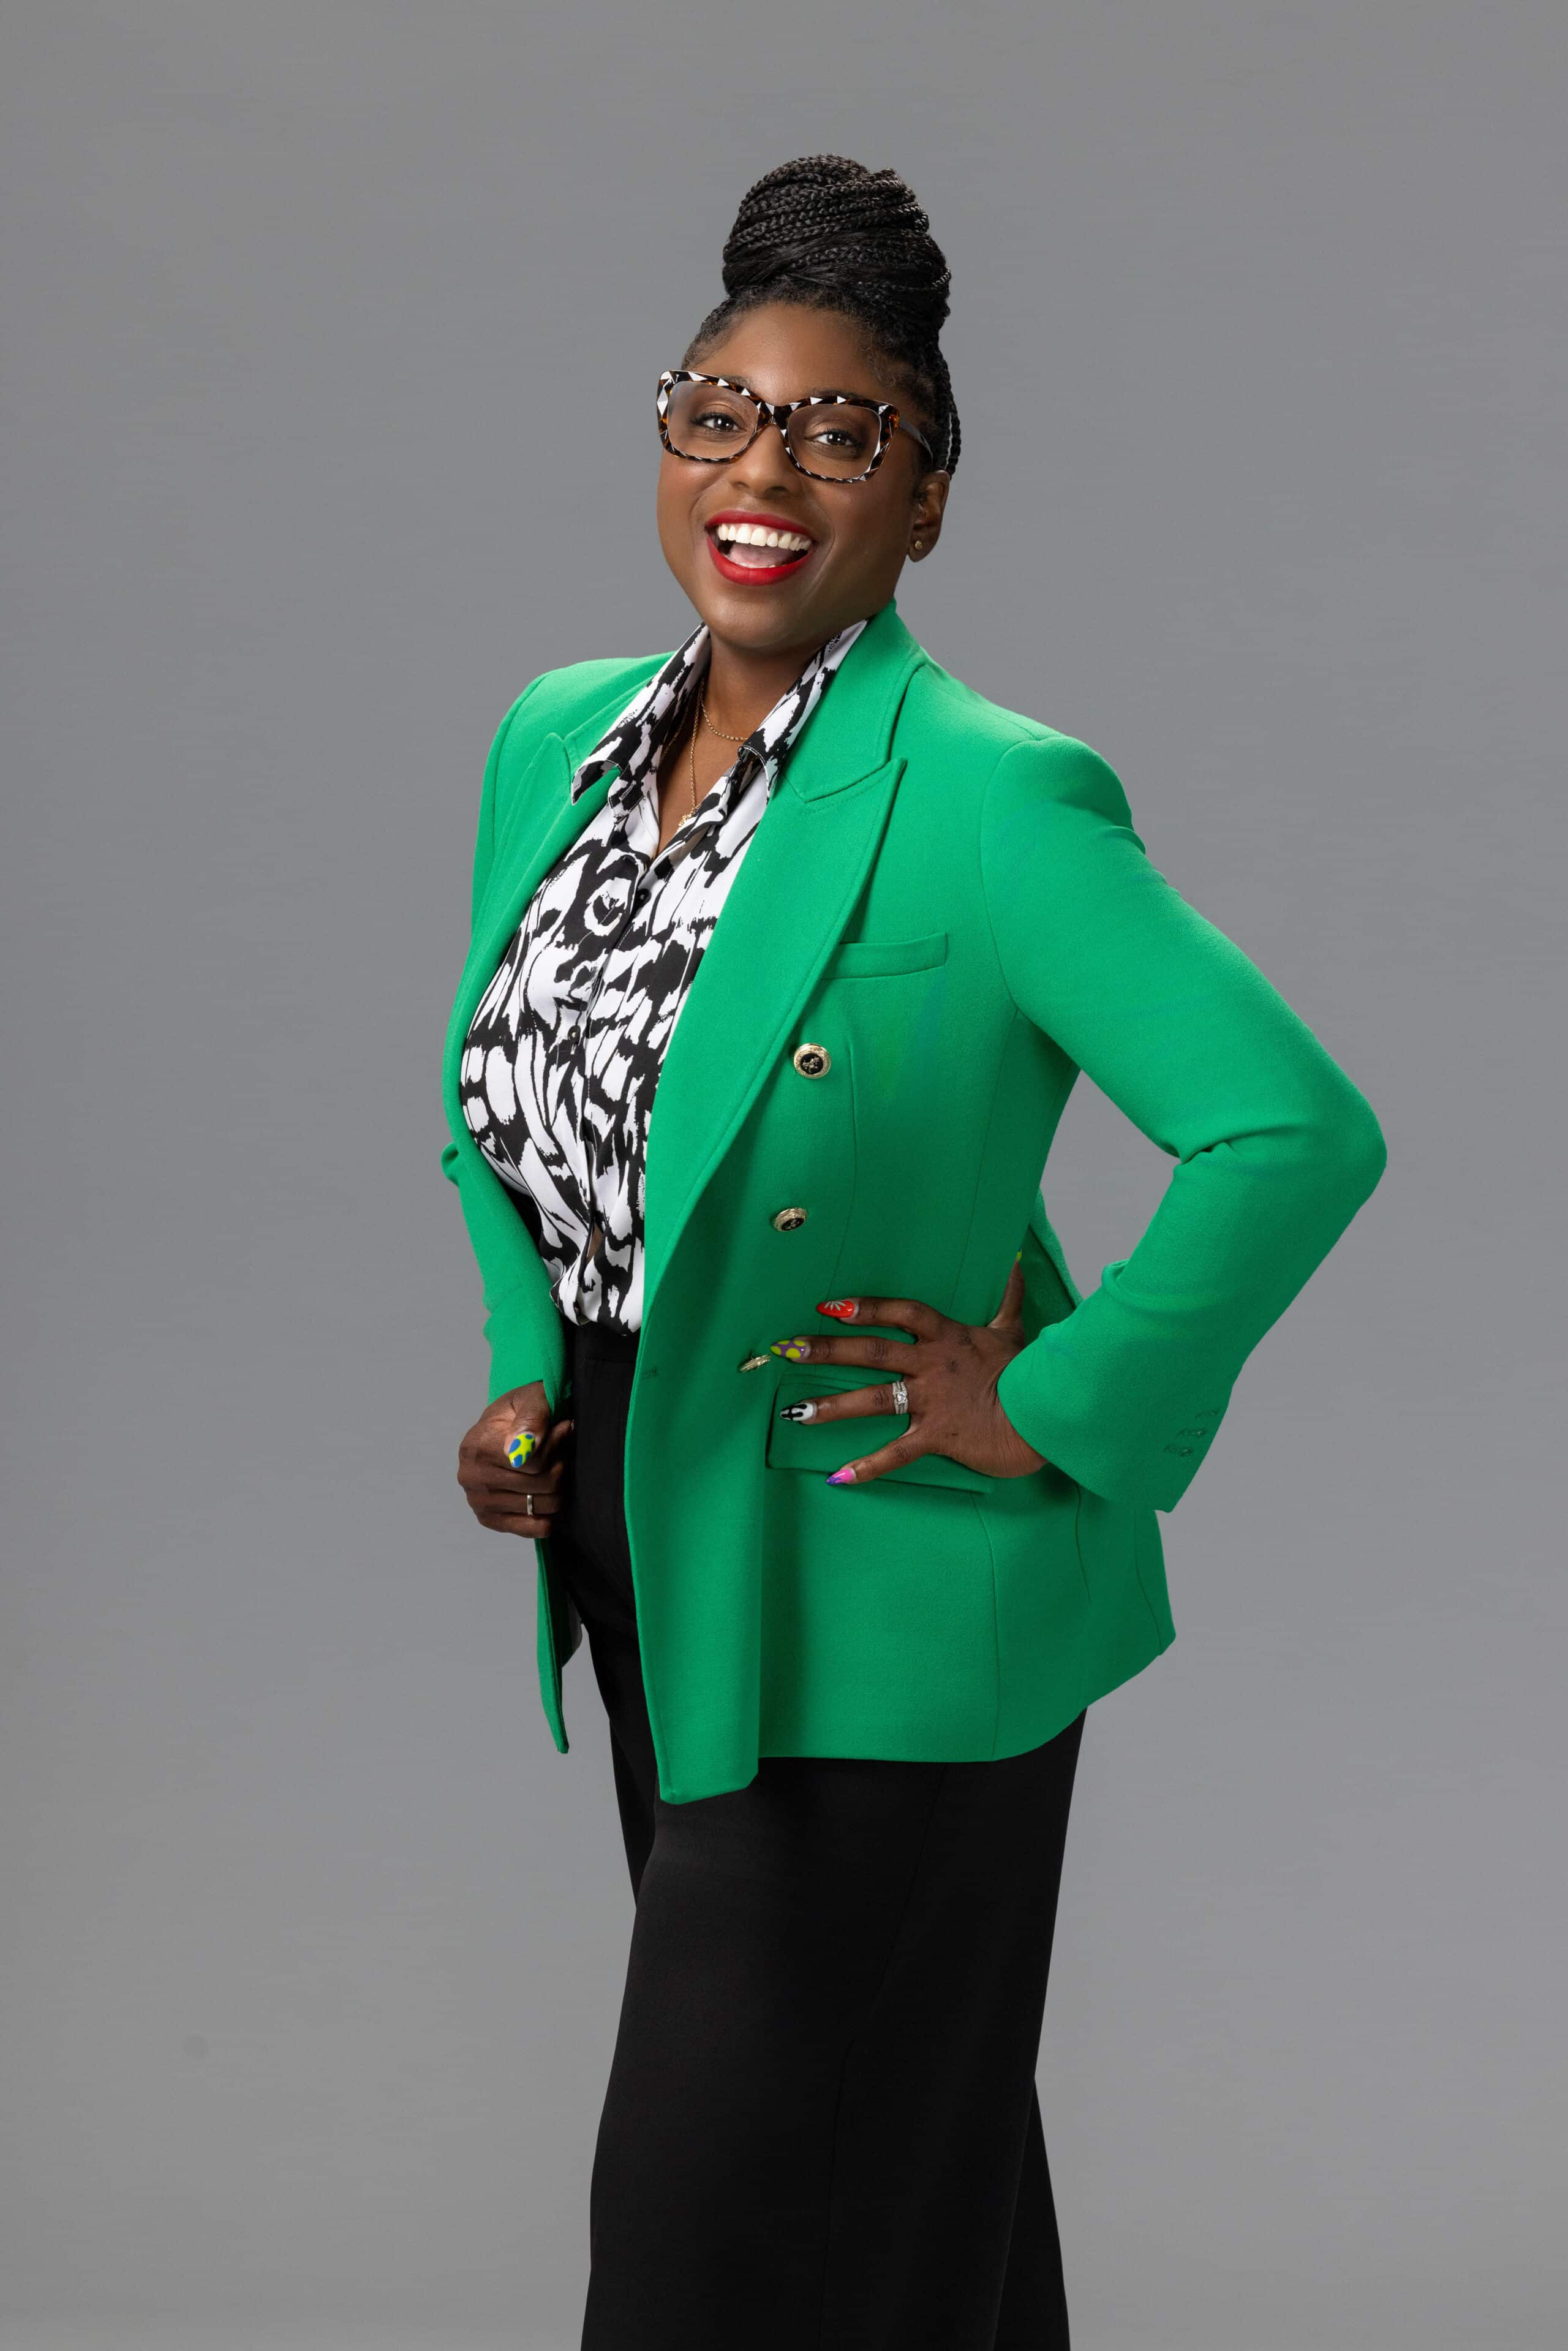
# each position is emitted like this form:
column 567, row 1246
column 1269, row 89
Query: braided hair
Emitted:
column 827, row 234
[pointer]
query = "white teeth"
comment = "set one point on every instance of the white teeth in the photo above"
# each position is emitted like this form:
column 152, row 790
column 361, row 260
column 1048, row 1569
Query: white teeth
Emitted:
column 754, row 533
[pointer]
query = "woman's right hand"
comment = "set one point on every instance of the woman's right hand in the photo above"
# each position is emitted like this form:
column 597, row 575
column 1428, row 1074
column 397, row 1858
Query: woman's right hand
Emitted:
column 499, row 1495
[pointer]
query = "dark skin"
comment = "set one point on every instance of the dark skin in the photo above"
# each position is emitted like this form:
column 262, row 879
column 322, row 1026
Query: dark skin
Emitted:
column 864, row 532
column 762, row 635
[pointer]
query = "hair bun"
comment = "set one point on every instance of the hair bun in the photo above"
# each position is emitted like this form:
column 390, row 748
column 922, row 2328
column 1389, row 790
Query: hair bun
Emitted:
column 825, row 232
column 824, row 224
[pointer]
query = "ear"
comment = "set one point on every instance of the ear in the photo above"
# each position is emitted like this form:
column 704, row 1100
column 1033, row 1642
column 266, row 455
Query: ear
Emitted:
column 925, row 513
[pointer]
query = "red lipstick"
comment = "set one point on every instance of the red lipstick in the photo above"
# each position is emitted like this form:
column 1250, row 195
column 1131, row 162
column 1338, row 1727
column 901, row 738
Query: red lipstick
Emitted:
column 753, row 574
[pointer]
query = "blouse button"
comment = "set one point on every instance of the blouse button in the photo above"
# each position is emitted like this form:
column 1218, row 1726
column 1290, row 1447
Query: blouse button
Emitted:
column 788, row 1219
column 812, row 1061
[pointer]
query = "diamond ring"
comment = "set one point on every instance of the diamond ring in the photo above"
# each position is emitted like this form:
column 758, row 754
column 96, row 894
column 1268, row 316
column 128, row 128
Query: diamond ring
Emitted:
column 900, row 1397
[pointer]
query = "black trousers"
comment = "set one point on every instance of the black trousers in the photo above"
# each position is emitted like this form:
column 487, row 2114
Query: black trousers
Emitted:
column 821, row 2131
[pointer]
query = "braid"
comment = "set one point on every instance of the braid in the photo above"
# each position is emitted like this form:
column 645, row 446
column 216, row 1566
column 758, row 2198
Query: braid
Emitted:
column 824, row 232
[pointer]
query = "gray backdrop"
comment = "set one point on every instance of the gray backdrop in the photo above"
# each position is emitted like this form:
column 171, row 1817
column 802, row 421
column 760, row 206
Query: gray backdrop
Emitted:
column 333, row 334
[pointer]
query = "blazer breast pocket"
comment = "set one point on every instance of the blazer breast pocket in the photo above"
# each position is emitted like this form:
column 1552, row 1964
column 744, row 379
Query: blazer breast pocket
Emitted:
column 885, row 958
column 821, row 1446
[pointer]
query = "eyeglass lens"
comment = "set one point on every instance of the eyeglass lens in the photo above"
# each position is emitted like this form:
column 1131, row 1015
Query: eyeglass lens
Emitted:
column 835, row 440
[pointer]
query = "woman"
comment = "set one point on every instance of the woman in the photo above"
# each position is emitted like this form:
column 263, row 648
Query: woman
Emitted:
column 787, row 950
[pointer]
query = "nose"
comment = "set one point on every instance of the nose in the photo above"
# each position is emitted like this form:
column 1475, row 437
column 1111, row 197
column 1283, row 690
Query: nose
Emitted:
column 766, row 465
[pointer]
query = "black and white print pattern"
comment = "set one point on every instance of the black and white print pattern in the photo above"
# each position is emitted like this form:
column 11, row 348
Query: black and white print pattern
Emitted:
column 564, row 1051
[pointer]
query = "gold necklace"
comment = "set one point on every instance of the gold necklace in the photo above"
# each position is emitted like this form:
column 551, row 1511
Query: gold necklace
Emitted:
column 707, row 722
column 692, row 746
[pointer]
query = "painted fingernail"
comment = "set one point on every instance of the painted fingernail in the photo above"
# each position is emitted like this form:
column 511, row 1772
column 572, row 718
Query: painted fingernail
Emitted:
column 805, row 1410
column 842, row 1477
column 794, row 1351
column 519, row 1448
column 1017, row 1254
column 841, row 1309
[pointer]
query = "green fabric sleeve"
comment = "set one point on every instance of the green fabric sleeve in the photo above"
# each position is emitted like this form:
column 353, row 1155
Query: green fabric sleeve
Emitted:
column 489, row 793
column 522, row 1325
column 1275, row 1148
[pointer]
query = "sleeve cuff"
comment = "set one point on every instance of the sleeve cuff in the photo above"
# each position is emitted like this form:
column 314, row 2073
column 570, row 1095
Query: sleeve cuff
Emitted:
column 1122, row 1465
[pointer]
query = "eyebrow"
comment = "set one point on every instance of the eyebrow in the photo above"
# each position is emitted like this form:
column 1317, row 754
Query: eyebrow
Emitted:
column 817, row 392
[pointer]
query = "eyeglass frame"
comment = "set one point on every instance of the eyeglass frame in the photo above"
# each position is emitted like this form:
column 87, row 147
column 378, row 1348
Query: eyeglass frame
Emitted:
column 777, row 412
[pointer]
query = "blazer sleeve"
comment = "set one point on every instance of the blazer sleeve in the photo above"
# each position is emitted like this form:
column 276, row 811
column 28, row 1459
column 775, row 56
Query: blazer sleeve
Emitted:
column 1275, row 1148
column 522, row 1325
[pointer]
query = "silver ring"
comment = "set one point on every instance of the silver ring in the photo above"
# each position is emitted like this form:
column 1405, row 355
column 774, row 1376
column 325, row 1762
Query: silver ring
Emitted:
column 528, row 1509
column 900, row 1397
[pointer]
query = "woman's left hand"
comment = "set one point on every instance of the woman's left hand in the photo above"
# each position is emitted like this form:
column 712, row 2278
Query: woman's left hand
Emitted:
column 950, row 1375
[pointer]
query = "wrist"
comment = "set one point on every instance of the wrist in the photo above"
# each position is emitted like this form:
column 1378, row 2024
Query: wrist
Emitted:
column 1013, row 1444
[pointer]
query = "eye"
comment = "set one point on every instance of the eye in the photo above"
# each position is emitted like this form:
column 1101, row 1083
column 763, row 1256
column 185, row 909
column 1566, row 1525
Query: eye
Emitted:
column 835, row 430
column 716, row 420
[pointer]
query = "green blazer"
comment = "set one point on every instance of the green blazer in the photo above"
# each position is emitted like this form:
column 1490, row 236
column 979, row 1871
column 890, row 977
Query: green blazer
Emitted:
column 951, row 899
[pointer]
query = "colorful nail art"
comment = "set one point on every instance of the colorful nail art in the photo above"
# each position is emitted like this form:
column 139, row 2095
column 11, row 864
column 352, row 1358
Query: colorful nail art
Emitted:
column 842, row 1477
column 794, row 1351
column 519, row 1448
column 805, row 1410
column 841, row 1309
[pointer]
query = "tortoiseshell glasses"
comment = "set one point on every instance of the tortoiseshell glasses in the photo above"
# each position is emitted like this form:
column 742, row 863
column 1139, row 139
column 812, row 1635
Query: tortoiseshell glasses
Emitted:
column 829, row 435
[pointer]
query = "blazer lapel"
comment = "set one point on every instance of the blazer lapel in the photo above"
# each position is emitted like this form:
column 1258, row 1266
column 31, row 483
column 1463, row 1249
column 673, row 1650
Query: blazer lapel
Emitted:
column 531, row 843
column 522, row 859
column 797, row 884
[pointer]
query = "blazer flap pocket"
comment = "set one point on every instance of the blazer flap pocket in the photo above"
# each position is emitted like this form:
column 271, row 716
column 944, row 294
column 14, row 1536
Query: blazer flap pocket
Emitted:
column 824, row 1445
column 879, row 958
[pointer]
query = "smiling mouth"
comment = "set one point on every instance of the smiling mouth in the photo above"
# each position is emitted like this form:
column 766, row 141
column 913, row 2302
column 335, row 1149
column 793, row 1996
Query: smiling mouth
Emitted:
column 758, row 553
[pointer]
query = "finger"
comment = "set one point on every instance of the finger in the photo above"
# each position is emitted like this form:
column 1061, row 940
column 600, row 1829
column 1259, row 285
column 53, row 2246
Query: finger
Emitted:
column 514, row 1523
column 866, row 1348
column 901, row 1314
column 549, row 1459
column 515, row 1500
column 484, row 1463
column 492, row 1449
column 487, row 1473
column 1010, row 1310
column 872, row 1466
column 504, row 1520
column 849, row 1404
column 522, row 1434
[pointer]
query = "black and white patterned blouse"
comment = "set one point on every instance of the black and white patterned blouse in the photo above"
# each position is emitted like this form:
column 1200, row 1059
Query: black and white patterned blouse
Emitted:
column 564, row 1051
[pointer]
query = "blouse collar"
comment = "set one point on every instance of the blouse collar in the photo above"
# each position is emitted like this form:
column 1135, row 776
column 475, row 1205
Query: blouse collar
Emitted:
column 651, row 720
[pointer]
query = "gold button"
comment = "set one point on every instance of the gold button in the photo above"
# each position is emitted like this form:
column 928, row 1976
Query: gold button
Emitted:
column 756, row 1362
column 788, row 1219
column 812, row 1061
